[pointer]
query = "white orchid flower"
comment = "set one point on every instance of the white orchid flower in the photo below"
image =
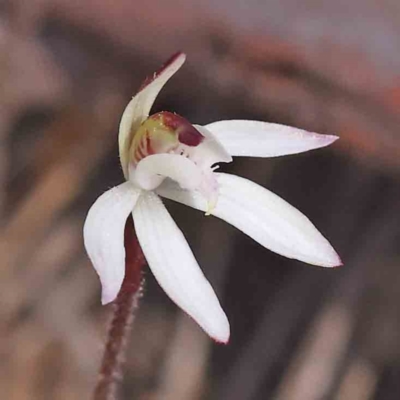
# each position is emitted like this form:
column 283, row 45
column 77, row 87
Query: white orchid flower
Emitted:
column 164, row 155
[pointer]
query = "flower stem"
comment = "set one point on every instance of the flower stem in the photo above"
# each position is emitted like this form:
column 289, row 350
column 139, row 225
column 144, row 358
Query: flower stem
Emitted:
column 124, row 307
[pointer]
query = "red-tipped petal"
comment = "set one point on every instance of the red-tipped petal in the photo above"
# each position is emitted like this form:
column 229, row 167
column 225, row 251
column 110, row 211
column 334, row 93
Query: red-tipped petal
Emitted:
column 139, row 107
column 263, row 139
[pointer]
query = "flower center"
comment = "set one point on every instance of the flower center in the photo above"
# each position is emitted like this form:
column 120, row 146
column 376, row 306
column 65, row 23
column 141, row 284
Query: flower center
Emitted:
column 164, row 132
column 168, row 146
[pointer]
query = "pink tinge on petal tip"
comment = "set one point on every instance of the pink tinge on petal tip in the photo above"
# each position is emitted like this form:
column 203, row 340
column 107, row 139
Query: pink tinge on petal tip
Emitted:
column 107, row 295
column 175, row 268
column 264, row 139
column 265, row 217
column 327, row 139
column 222, row 336
column 339, row 262
column 103, row 234
column 222, row 341
column 175, row 57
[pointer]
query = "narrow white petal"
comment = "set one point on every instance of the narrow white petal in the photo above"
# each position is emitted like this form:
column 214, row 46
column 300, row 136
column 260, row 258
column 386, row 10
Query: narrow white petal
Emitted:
column 265, row 217
column 175, row 268
column 263, row 139
column 139, row 107
column 103, row 235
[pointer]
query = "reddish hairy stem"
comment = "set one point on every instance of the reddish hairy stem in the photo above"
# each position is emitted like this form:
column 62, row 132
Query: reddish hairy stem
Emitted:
column 110, row 374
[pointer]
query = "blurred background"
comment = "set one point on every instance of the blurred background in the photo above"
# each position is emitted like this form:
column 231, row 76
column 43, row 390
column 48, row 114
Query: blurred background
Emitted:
column 67, row 70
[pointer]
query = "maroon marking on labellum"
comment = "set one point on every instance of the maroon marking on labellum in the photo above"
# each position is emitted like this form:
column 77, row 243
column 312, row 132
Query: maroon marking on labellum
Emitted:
column 150, row 79
column 149, row 148
column 140, row 153
column 144, row 147
column 187, row 133
column 190, row 136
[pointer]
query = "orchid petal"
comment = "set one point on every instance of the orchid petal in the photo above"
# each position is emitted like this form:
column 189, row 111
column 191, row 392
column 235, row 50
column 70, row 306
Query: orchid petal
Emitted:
column 263, row 139
column 103, row 235
column 139, row 107
column 152, row 170
column 210, row 151
column 264, row 217
column 175, row 267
